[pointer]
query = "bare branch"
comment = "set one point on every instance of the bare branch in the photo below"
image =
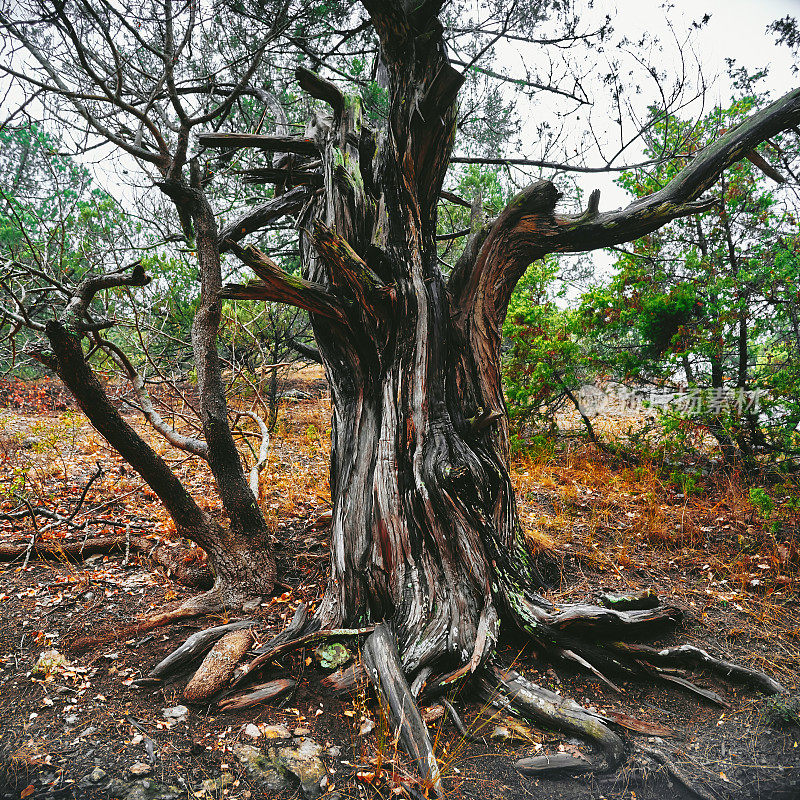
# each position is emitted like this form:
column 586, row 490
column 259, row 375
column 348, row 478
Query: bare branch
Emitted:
column 257, row 218
column 279, row 286
column 529, row 228
column 263, row 453
column 185, row 443
column 78, row 307
column 321, row 89
column 273, row 144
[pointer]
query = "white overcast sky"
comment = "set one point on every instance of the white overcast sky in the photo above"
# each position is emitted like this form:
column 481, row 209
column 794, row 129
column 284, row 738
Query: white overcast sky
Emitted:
column 737, row 29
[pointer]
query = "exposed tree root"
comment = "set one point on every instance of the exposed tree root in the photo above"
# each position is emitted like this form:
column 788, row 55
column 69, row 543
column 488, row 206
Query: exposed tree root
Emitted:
column 386, row 673
column 688, row 655
column 558, row 762
column 263, row 693
column 581, row 633
column 511, row 692
column 291, row 631
column 346, row 680
column 674, row 771
column 286, row 645
column 197, row 645
column 629, row 601
column 692, row 688
column 459, row 724
column 179, row 563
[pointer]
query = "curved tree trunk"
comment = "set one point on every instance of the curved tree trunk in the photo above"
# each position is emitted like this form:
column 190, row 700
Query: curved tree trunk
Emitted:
column 239, row 554
column 425, row 529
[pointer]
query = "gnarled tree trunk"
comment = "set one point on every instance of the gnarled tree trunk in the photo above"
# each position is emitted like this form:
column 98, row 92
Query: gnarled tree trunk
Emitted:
column 425, row 530
column 425, row 533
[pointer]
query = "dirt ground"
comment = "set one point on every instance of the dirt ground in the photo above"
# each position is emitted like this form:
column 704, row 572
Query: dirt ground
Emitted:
column 78, row 731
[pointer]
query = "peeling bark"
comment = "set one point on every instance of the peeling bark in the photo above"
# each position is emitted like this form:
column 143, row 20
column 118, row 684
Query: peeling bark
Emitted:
column 218, row 666
column 425, row 534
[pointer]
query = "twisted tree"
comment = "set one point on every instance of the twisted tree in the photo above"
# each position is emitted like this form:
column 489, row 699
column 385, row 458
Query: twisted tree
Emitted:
column 426, row 544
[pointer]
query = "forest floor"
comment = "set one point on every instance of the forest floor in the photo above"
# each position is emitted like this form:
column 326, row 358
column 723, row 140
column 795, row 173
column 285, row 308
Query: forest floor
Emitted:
column 85, row 730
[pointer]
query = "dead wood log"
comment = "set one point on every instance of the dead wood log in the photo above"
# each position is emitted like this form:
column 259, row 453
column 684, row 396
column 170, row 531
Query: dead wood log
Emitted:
column 263, row 693
column 197, row 645
column 179, row 563
column 218, row 666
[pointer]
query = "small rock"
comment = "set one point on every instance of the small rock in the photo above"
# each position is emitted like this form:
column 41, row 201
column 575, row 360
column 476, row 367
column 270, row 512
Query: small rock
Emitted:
column 96, row 775
column 304, row 762
column 178, row 713
column 252, row 605
column 367, row 726
column 70, row 719
column 49, row 661
column 253, row 731
column 140, row 768
column 302, row 731
column 149, row 790
column 335, row 751
column 212, row 787
column 261, row 769
column 276, row 732
column 87, row 732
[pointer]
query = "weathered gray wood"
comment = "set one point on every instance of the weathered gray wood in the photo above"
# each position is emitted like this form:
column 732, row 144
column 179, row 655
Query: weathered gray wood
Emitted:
column 287, row 645
column 262, row 215
column 520, row 697
column 291, row 631
column 558, row 762
column 688, row 655
column 386, row 673
column 347, row 679
column 684, row 683
column 263, row 693
column 198, row 644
